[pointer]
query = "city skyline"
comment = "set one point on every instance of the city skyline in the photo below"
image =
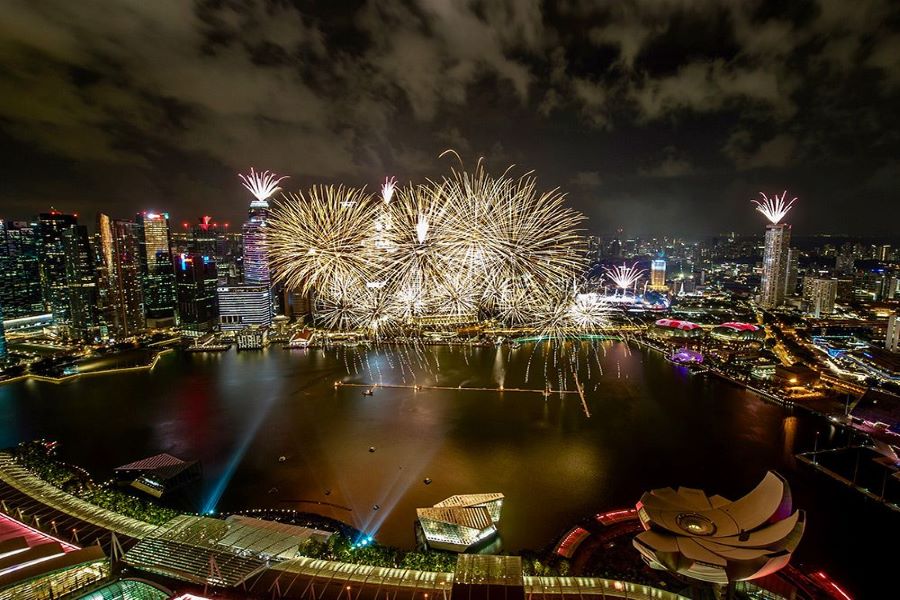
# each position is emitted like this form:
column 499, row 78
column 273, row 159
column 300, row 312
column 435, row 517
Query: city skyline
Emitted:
column 449, row 299
column 658, row 119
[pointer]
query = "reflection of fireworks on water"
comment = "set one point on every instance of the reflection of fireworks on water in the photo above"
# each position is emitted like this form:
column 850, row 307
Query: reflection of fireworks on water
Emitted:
column 774, row 208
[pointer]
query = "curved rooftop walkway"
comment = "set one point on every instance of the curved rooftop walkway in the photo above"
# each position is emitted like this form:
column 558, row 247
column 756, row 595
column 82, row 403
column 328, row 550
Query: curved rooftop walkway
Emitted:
column 303, row 577
column 315, row 578
column 19, row 478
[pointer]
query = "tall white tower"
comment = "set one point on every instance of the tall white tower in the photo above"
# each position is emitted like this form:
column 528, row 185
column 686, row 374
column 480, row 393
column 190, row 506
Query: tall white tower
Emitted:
column 775, row 254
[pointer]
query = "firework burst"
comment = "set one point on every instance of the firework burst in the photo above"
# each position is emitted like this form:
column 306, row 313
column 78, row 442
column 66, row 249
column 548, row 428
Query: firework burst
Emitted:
column 322, row 240
column 774, row 208
column 261, row 185
column 466, row 246
column 624, row 277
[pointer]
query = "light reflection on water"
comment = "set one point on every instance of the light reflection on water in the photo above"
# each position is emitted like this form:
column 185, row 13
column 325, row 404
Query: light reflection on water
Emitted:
column 652, row 425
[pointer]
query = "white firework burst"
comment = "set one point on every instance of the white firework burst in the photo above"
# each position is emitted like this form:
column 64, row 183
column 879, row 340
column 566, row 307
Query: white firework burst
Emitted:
column 261, row 185
column 624, row 277
column 774, row 208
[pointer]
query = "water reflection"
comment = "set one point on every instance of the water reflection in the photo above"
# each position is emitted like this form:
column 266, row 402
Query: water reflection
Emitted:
column 239, row 413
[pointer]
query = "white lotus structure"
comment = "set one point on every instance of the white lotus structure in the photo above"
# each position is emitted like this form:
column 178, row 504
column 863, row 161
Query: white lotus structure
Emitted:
column 714, row 539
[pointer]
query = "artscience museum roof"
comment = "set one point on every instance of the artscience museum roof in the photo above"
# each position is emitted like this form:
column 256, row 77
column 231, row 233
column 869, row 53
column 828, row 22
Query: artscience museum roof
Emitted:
column 714, row 539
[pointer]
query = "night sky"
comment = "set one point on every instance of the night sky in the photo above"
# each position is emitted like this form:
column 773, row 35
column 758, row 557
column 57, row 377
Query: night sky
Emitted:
column 657, row 116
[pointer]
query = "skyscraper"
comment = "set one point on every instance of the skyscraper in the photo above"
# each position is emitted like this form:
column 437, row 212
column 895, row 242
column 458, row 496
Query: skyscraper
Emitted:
column 196, row 282
column 658, row 274
column 2, row 338
column 52, row 260
column 256, row 258
column 81, row 280
column 121, row 298
column 157, row 269
column 820, row 294
column 20, row 273
column 790, row 279
column 775, row 263
column 892, row 339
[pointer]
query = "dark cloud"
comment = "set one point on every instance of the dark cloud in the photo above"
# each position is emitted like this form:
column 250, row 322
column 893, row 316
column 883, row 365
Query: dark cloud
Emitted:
column 647, row 112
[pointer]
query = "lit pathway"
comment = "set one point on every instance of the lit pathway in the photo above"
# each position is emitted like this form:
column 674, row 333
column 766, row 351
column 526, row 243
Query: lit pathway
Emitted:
column 314, row 575
column 23, row 480
column 374, row 386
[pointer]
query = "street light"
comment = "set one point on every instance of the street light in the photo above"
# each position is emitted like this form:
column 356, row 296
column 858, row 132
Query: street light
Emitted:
column 816, row 449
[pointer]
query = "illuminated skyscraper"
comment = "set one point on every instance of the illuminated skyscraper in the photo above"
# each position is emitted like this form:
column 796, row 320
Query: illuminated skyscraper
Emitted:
column 658, row 275
column 256, row 258
column 52, row 260
column 196, row 282
column 243, row 305
column 121, row 299
column 20, row 274
column 2, row 338
column 775, row 265
column 157, row 269
column 81, row 280
column 892, row 339
column 790, row 279
column 820, row 295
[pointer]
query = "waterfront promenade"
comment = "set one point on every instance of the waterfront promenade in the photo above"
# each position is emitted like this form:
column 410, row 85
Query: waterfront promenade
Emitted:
column 26, row 497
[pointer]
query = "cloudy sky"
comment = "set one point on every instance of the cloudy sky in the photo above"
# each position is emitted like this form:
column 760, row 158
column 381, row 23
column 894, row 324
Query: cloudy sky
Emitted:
column 656, row 116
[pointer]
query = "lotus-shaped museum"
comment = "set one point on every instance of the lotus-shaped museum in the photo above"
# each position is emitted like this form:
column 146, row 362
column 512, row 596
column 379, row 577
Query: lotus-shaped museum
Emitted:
column 714, row 539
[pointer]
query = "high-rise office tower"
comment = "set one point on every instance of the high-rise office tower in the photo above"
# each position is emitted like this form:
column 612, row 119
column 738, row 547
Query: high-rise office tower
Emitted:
column 820, row 295
column 81, row 279
column 157, row 269
column 790, row 280
column 196, row 284
column 121, row 296
column 658, row 275
column 203, row 238
column 256, row 258
column 20, row 273
column 892, row 339
column 845, row 260
column 2, row 338
column 52, row 260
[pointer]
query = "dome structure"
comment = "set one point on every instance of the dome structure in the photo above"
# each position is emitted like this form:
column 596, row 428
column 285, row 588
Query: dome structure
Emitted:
column 712, row 539
column 686, row 356
column 675, row 328
column 738, row 332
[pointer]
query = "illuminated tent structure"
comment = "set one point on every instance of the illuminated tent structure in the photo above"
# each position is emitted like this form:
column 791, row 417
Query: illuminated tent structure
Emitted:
column 460, row 522
column 713, row 539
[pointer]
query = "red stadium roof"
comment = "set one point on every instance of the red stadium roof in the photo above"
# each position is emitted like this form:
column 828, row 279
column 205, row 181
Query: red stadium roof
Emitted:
column 740, row 326
column 676, row 324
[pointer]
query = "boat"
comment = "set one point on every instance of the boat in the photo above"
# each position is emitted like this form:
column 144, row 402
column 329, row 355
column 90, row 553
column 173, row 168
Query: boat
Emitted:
column 367, row 392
